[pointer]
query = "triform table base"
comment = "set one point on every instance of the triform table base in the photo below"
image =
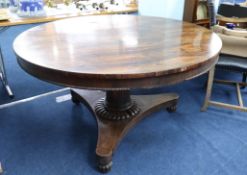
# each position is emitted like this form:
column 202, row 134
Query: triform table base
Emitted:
column 116, row 113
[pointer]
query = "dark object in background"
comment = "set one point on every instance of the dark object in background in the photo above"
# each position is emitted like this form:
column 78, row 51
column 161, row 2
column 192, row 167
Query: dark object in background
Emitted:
column 230, row 25
column 229, row 10
column 211, row 12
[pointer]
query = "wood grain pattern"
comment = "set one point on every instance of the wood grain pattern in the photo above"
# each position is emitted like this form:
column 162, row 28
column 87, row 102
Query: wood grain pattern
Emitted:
column 125, row 50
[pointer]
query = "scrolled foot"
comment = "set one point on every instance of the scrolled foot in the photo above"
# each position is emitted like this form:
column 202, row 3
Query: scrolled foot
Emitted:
column 105, row 168
column 104, row 164
column 172, row 108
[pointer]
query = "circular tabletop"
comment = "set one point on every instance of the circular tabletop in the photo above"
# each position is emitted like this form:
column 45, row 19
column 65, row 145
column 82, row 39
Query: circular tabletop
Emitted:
column 117, row 51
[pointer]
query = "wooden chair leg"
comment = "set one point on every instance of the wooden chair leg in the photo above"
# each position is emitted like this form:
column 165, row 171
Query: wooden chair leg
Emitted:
column 244, row 79
column 209, row 89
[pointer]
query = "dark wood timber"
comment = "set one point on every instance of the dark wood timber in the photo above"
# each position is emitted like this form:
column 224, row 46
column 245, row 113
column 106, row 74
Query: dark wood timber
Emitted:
column 111, row 132
column 114, row 54
column 117, row 105
column 119, row 51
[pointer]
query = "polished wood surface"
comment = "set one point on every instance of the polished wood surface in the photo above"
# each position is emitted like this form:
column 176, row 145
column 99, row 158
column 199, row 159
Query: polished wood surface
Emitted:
column 124, row 50
column 15, row 20
column 117, row 53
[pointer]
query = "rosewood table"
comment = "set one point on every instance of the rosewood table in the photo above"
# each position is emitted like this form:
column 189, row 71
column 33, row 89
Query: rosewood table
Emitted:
column 103, row 57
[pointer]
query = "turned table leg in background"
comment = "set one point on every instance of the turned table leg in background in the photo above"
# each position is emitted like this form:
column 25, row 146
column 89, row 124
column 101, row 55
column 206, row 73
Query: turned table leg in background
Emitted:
column 116, row 112
column 3, row 76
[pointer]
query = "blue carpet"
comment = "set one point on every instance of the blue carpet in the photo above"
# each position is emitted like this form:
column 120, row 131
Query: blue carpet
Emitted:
column 22, row 84
column 43, row 137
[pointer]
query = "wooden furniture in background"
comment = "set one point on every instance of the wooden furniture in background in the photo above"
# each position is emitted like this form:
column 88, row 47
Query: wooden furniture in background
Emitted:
column 228, row 13
column 233, row 58
column 115, row 54
column 196, row 11
column 239, row 22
